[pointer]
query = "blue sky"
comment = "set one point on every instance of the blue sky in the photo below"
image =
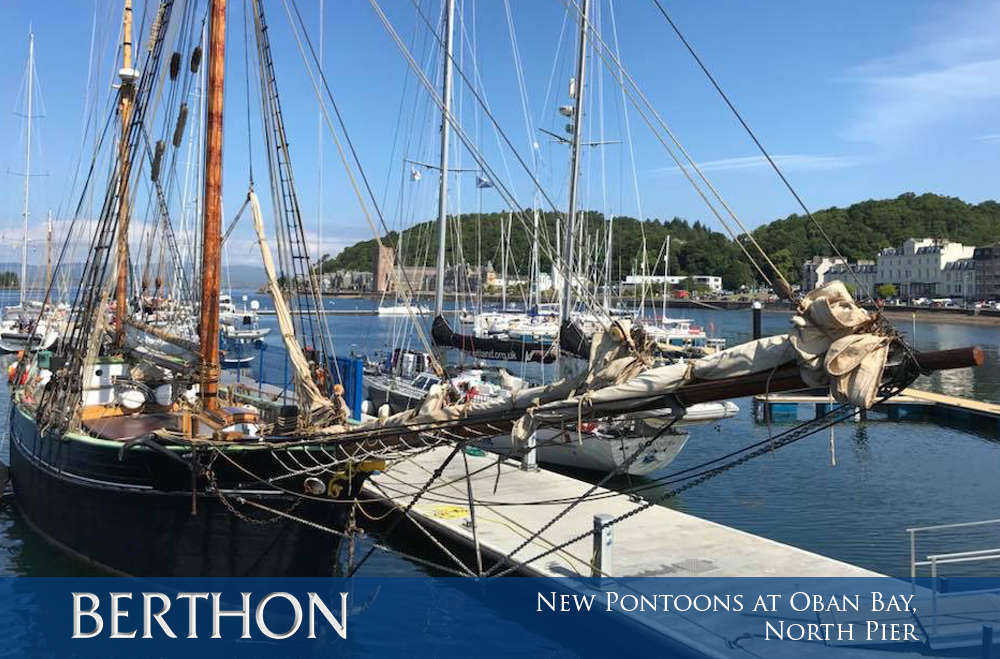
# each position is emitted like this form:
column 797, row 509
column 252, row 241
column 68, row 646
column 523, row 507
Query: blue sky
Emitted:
column 856, row 99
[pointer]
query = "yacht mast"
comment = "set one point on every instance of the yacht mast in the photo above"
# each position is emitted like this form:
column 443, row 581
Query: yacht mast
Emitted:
column 126, row 96
column 48, row 253
column 666, row 273
column 27, row 163
column 574, row 167
column 449, row 15
column 208, row 325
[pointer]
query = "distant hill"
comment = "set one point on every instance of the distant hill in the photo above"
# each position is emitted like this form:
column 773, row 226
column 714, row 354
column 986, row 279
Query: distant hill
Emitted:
column 859, row 232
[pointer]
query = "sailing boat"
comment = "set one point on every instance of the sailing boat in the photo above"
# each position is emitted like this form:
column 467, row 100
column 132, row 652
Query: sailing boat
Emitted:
column 152, row 464
column 19, row 329
column 146, row 463
column 533, row 336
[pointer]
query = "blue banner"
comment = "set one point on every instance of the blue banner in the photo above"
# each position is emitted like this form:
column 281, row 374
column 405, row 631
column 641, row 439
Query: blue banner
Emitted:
column 446, row 617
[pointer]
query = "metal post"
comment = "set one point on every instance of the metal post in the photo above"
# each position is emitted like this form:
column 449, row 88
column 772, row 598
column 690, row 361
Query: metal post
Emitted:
column 574, row 168
column 604, row 542
column 530, row 460
column 913, row 555
column 756, row 319
column 442, row 227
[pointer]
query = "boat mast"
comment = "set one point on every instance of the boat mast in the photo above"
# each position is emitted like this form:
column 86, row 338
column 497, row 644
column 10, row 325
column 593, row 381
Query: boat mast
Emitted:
column 48, row 254
column 27, row 163
column 504, row 240
column 208, row 325
column 666, row 272
column 449, row 15
column 574, row 162
column 535, row 269
column 126, row 95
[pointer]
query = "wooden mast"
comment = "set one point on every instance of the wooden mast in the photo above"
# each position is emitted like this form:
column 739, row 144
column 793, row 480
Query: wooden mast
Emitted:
column 208, row 326
column 126, row 96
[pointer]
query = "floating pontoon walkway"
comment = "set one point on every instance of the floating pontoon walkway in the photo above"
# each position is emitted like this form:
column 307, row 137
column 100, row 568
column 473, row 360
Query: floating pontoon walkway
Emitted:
column 911, row 403
column 654, row 543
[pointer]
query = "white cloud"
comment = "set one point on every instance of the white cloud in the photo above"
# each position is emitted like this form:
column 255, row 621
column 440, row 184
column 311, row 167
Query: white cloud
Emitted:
column 949, row 74
column 788, row 162
column 989, row 139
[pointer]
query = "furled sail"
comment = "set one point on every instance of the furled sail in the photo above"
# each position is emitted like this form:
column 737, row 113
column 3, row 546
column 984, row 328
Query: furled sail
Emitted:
column 311, row 399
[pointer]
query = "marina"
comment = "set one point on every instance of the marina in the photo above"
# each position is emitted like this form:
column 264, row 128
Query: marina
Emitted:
column 530, row 365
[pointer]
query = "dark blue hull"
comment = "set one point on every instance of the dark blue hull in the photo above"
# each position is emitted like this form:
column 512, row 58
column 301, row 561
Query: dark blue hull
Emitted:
column 145, row 515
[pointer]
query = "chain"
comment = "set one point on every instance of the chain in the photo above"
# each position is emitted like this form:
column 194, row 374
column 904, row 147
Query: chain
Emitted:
column 836, row 416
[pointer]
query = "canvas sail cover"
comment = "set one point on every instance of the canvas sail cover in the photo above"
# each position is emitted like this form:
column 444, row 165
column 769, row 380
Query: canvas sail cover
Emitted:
column 311, row 400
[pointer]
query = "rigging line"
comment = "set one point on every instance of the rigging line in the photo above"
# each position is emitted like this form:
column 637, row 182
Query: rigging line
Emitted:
column 635, row 94
column 756, row 141
column 501, row 187
column 327, row 529
column 409, row 506
column 350, row 173
column 687, row 157
column 612, row 473
column 705, row 477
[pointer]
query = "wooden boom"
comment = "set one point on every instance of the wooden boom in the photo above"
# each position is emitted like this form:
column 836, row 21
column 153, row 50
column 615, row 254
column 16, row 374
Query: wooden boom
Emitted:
column 787, row 378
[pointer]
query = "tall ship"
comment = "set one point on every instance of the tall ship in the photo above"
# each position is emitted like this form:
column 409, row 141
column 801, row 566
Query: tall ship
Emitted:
column 132, row 450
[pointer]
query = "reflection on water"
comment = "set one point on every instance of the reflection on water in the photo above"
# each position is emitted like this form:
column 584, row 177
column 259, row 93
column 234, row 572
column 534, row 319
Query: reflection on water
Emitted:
column 888, row 475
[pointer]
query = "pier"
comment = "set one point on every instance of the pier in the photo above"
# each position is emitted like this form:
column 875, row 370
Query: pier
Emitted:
column 656, row 542
column 910, row 404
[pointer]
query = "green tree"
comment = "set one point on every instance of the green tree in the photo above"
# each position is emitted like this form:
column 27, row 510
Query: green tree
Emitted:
column 886, row 291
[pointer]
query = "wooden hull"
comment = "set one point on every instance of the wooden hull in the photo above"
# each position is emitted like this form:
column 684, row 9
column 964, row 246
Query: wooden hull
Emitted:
column 134, row 516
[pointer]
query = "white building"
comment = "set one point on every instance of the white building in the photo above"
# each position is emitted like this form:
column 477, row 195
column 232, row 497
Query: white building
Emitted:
column 917, row 267
column 712, row 282
column 959, row 280
column 815, row 272
column 862, row 276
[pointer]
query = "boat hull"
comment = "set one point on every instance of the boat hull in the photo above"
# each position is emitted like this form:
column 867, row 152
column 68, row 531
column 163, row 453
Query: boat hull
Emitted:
column 583, row 451
column 102, row 512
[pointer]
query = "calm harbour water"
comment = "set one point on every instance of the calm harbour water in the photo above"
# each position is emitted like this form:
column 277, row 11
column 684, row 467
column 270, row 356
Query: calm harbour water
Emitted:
column 888, row 475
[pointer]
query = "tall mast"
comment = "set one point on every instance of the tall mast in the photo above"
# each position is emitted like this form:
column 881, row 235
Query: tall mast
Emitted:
column 208, row 326
column 504, row 240
column 48, row 253
column 574, row 162
column 126, row 95
column 449, row 15
column 27, row 163
column 535, row 270
column 666, row 273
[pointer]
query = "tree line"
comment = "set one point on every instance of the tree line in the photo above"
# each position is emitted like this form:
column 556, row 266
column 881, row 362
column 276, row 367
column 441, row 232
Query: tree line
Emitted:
column 858, row 231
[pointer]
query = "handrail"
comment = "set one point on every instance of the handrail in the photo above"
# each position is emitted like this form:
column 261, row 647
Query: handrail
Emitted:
column 912, row 531
column 952, row 526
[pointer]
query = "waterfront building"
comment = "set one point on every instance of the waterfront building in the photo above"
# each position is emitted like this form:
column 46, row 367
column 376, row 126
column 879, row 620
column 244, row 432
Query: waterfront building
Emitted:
column 987, row 259
column 863, row 276
column 958, row 280
column 917, row 266
column 815, row 271
column 711, row 282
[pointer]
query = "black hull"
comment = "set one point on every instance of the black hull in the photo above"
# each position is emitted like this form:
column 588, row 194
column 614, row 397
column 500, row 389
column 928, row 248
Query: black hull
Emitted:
column 100, row 511
column 492, row 349
column 398, row 401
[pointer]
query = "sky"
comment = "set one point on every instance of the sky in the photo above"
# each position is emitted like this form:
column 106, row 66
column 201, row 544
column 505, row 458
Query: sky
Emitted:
column 855, row 100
